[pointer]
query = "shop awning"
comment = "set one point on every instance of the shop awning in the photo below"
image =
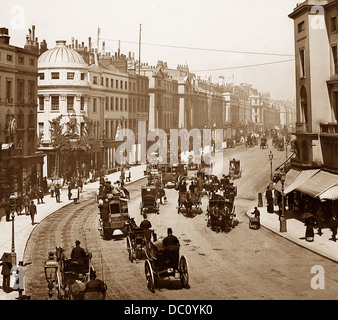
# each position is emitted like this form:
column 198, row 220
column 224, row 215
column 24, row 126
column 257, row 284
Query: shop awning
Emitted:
column 301, row 179
column 318, row 184
column 289, row 178
column 330, row 194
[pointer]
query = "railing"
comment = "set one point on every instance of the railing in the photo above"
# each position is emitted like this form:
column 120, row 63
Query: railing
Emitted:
column 331, row 128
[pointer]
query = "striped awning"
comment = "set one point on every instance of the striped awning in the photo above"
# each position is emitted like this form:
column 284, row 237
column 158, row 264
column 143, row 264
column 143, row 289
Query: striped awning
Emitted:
column 301, row 179
column 318, row 184
column 330, row 194
column 289, row 178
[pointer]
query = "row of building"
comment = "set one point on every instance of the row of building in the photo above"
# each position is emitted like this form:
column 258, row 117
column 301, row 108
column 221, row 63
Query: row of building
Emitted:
column 62, row 108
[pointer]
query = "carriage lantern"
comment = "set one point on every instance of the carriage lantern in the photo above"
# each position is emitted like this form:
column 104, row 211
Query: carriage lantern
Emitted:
column 51, row 267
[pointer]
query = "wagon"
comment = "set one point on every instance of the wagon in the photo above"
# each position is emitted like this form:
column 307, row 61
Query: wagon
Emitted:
column 235, row 171
column 117, row 225
column 264, row 143
column 137, row 241
column 165, row 264
column 149, row 200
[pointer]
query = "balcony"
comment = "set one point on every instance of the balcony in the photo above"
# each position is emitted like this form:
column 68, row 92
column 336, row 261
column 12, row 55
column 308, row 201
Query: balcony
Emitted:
column 329, row 128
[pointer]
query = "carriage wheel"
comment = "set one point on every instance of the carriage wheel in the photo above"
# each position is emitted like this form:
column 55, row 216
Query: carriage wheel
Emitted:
column 130, row 250
column 149, row 276
column 184, row 272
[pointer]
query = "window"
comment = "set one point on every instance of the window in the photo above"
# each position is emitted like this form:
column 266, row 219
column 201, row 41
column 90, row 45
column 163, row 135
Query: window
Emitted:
column 21, row 59
column 112, row 83
column 102, row 83
column 31, row 62
column 82, row 104
column 111, row 103
column 20, row 91
column 126, row 85
column 159, row 83
column 41, row 128
column 94, row 80
column 134, row 86
column 302, row 63
column 31, row 92
column 41, row 103
column 83, row 76
column 55, row 75
column 301, row 26
column 9, row 58
column 41, row 76
column 116, row 104
column 335, row 58
column 94, row 105
column 117, row 84
column 107, row 82
column 70, row 102
column 9, row 91
column 107, row 103
column 121, row 84
column 55, row 103
column 121, row 104
column 333, row 24
column 126, row 105
column 70, row 75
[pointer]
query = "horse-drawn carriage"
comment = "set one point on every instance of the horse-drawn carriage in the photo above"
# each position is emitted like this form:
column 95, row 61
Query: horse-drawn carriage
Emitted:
column 170, row 173
column 165, row 263
column 280, row 144
column 235, row 171
column 221, row 215
column 231, row 143
column 149, row 196
column 71, row 276
column 249, row 142
column 189, row 200
column 264, row 143
column 254, row 222
column 137, row 240
column 116, row 224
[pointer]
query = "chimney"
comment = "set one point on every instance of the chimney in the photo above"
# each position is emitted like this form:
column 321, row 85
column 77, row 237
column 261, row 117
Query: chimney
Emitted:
column 89, row 44
column 103, row 48
column 4, row 37
column 76, row 44
column 72, row 43
column 33, row 32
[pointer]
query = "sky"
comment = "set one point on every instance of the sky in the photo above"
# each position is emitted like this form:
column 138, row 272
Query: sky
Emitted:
column 227, row 31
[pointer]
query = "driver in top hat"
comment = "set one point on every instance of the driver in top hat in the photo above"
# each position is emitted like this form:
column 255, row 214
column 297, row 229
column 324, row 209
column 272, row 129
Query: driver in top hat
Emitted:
column 78, row 252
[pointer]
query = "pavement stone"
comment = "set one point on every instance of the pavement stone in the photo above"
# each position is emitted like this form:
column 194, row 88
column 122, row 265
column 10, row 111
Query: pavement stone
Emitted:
column 23, row 226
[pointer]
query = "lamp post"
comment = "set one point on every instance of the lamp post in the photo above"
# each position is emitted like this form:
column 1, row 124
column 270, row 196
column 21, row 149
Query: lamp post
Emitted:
column 12, row 200
column 271, row 158
column 282, row 226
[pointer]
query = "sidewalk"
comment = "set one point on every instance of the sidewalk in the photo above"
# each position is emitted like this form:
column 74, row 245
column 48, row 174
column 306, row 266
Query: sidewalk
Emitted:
column 23, row 226
column 321, row 245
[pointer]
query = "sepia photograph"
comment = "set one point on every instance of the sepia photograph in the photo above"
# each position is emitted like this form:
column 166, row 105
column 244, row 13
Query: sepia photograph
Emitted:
column 168, row 154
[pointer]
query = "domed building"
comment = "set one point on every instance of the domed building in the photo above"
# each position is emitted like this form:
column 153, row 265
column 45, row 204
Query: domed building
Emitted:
column 64, row 112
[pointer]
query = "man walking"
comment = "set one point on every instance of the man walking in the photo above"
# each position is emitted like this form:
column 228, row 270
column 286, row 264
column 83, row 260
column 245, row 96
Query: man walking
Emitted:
column 26, row 203
column 57, row 193
column 32, row 211
column 6, row 274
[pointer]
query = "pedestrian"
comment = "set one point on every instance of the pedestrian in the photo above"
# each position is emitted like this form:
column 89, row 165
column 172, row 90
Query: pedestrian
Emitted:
column 8, row 210
column 333, row 226
column 57, row 193
column 69, row 191
column 26, row 203
column 32, row 211
column 291, row 197
column 18, row 207
column 309, row 232
column 320, row 219
column 6, row 274
column 52, row 188
column 80, row 183
column 40, row 195
column 269, row 199
column 44, row 185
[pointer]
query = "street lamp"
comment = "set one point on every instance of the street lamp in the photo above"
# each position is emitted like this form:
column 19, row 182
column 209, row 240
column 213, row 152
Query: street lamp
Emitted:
column 12, row 200
column 271, row 158
column 51, row 273
column 282, row 226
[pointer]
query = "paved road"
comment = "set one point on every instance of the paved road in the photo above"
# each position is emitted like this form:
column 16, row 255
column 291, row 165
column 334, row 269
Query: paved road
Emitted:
column 244, row 264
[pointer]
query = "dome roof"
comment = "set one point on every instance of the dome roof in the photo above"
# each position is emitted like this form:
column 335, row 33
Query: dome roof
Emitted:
column 61, row 57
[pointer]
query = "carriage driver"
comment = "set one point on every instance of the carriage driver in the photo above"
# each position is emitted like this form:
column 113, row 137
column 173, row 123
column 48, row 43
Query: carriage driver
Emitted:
column 78, row 252
column 171, row 247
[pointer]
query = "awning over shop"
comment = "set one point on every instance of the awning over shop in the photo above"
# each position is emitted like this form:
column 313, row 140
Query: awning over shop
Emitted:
column 318, row 184
column 301, row 179
column 289, row 178
column 330, row 194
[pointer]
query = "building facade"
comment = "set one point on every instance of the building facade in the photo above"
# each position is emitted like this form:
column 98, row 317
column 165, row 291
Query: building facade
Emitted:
column 21, row 165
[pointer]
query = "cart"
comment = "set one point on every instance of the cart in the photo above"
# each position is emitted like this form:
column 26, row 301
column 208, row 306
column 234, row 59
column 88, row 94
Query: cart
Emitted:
column 149, row 198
